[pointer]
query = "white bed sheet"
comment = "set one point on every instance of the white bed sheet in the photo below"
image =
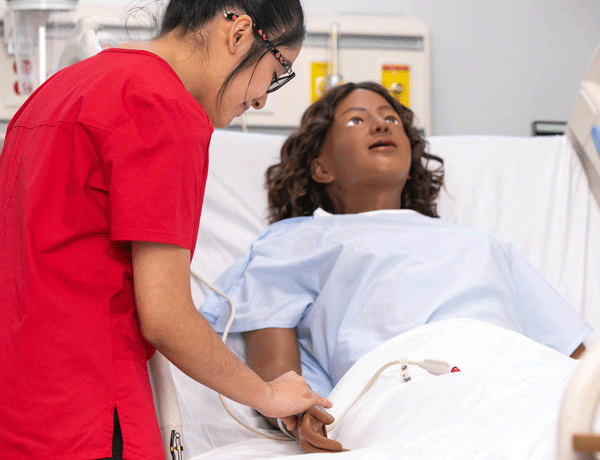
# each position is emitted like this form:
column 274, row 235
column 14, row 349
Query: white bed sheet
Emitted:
column 503, row 404
column 530, row 191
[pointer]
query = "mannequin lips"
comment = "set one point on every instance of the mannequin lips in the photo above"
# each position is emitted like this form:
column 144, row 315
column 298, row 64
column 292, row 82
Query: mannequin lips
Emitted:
column 383, row 144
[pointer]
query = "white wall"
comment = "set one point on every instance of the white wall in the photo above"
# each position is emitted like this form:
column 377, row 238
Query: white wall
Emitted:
column 496, row 65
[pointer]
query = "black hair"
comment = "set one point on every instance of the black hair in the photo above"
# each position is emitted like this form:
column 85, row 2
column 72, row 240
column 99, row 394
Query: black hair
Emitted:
column 281, row 20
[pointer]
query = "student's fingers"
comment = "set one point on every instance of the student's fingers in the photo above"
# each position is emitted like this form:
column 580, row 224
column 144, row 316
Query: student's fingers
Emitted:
column 316, row 398
column 320, row 401
column 313, row 435
column 290, row 395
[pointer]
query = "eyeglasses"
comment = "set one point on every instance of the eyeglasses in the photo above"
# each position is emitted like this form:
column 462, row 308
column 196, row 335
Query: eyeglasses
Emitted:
column 277, row 82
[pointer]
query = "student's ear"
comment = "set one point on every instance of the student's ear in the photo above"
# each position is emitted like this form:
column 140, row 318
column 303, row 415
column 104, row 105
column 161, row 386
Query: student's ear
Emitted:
column 320, row 171
column 239, row 33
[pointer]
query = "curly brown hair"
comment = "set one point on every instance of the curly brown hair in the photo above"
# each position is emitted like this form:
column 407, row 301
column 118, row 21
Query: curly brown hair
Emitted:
column 292, row 192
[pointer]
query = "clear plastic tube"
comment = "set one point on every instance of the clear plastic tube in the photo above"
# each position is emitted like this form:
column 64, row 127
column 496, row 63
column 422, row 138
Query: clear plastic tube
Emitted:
column 27, row 40
column 25, row 44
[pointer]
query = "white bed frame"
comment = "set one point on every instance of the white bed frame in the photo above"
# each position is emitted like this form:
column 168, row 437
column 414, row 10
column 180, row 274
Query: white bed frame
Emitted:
column 167, row 405
column 576, row 439
column 582, row 398
column 583, row 128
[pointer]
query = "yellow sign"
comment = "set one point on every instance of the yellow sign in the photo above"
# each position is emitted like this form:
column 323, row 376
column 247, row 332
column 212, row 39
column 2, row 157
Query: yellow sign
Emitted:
column 396, row 78
column 318, row 76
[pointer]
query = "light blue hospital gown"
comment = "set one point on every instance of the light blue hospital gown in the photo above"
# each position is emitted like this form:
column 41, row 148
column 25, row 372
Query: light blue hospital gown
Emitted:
column 350, row 282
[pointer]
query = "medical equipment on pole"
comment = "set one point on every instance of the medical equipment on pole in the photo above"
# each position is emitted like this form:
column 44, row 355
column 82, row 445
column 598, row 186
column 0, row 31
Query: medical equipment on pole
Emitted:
column 334, row 78
column 28, row 19
column 40, row 37
column 83, row 44
column 168, row 414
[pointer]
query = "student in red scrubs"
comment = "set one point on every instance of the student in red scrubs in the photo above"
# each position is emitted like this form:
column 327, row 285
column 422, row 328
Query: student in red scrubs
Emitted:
column 102, row 178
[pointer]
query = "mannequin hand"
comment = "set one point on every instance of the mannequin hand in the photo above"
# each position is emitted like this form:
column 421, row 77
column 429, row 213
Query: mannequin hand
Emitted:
column 290, row 395
column 312, row 433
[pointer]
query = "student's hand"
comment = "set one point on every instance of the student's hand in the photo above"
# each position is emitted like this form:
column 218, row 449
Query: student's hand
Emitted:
column 312, row 433
column 290, row 395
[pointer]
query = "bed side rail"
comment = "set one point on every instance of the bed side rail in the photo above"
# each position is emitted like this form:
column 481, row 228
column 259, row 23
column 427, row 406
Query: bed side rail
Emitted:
column 576, row 439
column 167, row 407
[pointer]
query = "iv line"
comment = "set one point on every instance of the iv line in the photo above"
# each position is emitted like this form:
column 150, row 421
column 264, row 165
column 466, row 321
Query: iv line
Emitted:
column 264, row 434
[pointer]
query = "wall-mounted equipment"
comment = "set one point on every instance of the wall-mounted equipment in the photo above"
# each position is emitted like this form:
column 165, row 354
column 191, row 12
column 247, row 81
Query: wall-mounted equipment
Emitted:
column 48, row 30
column 26, row 38
column 393, row 51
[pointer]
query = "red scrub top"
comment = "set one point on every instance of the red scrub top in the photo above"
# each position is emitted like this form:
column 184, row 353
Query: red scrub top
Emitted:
column 109, row 150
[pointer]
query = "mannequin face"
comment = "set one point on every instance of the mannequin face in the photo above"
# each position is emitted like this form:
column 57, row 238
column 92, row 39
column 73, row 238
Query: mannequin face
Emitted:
column 366, row 150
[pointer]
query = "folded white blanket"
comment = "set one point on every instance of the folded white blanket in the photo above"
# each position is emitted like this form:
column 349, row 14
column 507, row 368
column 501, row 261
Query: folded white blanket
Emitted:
column 503, row 404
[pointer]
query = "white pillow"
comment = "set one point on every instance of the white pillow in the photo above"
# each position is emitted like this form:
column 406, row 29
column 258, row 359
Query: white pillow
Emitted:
column 235, row 202
column 533, row 192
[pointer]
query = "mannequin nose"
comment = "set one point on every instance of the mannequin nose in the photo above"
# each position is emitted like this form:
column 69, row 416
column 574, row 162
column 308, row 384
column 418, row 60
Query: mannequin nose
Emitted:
column 259, row 102
column 380, row 125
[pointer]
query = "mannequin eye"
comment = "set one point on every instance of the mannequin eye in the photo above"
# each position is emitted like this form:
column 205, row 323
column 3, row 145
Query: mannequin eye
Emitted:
column 354, row 121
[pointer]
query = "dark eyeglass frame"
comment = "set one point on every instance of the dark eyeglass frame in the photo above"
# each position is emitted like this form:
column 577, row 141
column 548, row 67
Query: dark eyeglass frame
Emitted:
column 277, row 82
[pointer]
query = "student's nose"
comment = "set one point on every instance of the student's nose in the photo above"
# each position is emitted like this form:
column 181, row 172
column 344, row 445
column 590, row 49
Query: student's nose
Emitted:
column 259, row 102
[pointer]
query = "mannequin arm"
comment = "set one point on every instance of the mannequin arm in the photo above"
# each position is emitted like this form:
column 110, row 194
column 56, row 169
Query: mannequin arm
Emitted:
column 579, row 351
column 273, row 351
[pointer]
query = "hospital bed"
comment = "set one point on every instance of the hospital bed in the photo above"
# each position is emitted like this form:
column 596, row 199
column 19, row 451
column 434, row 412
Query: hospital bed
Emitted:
column 514, row 398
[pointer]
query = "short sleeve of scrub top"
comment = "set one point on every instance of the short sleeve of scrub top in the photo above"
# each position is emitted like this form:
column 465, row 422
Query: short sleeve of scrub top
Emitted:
column 151, row 176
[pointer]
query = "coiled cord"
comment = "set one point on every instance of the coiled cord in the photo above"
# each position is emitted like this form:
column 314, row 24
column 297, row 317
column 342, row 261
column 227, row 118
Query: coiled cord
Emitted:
column 264, row 434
